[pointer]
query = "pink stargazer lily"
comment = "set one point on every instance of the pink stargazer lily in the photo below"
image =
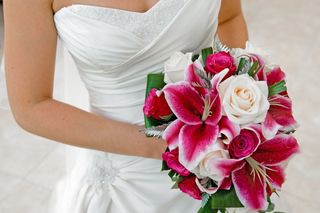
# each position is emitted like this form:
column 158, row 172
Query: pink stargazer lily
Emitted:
column 217, row 164
column 279, row 116
column 198, row 111
column 262, row 171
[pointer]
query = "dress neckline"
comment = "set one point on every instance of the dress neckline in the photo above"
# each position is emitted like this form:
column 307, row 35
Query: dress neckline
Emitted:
column 108, row 8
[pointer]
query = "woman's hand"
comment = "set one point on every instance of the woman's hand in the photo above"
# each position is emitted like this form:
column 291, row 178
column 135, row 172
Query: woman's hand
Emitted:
column 159, row 145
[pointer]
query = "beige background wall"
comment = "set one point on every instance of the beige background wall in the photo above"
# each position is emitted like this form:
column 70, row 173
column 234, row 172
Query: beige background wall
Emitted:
column 289, row 29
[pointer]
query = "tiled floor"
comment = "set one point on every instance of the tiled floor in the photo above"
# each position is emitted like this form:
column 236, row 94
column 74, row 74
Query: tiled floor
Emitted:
column 289, row 29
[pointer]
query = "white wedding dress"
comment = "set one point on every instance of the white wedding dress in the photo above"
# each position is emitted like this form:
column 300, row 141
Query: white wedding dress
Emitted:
column 102, row 65
column 114, row 50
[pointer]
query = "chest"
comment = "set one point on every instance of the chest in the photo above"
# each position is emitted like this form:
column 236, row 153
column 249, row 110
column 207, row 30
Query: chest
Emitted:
column 112, row 40
column 139, row 6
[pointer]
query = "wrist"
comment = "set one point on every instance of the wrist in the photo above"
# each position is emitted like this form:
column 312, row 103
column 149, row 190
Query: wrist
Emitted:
column 152, row 147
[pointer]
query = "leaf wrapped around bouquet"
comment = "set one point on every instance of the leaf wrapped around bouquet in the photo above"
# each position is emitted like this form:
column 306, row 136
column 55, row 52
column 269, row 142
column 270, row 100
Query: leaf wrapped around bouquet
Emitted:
column 227, row 119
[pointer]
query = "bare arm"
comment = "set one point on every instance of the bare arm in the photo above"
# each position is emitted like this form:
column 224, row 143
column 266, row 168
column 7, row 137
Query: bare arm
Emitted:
column 232, row 28
column 30, row 48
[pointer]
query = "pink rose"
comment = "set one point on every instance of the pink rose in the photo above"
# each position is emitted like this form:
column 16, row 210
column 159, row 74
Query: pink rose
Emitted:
column 217, row 62
column 188, row 185
column 172, row 160
column 156, row 105
column 243, row 145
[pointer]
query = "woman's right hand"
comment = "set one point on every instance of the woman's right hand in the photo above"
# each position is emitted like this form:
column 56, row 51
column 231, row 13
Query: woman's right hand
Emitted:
column 159, row 145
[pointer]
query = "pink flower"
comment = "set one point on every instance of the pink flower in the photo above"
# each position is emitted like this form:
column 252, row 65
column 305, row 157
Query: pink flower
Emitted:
column 217, row 62
column 279, row 115
column 156, row 105
column 188, row 185
column 195, row 130
column 261, row 171
column 171, row 158
column 244, row 144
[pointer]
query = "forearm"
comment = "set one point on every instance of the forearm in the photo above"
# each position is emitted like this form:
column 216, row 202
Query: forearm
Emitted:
column 233, row 32
column 30, row 52
column 69, row 125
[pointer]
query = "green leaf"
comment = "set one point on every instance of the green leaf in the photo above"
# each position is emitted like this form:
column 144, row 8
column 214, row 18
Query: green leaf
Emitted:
column 205, row 199
column 205, row 52
column 225, row 199
column 176, row 177
column 175, row 185
column 277, row 88
column 171, row 173
column 164, row 166
column 195, row 57
column 242, row 62
column 206, row 208
column 253, row 69
column 154, row 80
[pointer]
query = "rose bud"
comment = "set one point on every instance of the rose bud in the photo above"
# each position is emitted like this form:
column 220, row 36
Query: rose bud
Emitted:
column 156, row 106
column 217, row 62
column 172, row 160
column 188, row 185
column 243, row 145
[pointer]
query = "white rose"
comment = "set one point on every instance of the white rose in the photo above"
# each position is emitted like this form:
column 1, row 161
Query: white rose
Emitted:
column 175, row 66
column 206, row 167
column 244, row 99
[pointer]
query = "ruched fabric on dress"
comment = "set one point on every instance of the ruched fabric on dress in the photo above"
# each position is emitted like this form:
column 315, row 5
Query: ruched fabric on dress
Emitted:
column 113, row 64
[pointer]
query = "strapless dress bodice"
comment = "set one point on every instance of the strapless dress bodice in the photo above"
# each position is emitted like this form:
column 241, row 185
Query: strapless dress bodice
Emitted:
column 146, row 25
column 115, row 49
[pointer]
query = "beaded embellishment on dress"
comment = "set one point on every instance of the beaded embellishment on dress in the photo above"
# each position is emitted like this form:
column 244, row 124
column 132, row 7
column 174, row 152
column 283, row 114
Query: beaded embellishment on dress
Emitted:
column 145, row 25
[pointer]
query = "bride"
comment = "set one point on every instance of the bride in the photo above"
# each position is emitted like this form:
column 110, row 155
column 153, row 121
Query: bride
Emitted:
column 114, row 45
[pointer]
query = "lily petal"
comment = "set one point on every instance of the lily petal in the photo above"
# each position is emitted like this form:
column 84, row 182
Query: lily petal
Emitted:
column 228, row 129
column 276, row 150
column 261, row 75
column 250, row 190
column 192, row 77
column 270, row 127
column 215, row 110
column 223, row 167
column 218, row 78
column 226, row 184
column 281, row 111
column 276, row 176
column 185, row 102
column 195, row 141
column 171, row 134
column 216, row 106
column 275, row 76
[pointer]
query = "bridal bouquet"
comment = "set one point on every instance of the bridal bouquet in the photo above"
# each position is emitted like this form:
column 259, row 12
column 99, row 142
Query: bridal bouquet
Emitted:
column 227, row 119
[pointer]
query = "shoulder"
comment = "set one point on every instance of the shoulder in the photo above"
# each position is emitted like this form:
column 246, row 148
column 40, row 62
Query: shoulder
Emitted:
column 27, row 8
